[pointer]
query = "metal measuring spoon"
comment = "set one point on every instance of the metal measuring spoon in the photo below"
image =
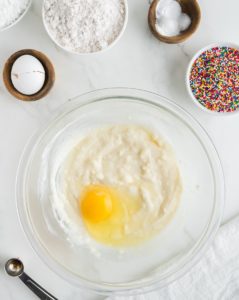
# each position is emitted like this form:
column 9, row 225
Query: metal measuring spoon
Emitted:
column 14, row 267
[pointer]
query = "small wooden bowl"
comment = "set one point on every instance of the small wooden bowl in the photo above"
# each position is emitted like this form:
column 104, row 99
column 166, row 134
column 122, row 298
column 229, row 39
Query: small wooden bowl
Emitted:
column 49, row 75
column 190, row 7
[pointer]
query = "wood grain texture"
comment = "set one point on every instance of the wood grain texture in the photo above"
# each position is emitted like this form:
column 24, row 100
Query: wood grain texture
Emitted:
column 190, row 7
column 49, row 75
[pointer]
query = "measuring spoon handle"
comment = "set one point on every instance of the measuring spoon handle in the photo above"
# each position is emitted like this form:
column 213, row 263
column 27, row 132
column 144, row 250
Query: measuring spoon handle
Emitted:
column 36, row 288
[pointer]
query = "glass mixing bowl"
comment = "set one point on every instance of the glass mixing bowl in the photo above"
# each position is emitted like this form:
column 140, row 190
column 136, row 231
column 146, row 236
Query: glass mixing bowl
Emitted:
column 164, row 258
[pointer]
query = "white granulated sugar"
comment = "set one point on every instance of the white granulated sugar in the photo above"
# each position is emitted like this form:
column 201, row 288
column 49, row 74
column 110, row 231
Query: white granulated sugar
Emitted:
column 11, row 10
column 84, row 26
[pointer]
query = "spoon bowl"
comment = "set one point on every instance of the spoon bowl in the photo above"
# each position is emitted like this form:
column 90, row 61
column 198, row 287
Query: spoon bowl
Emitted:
column 14, row 267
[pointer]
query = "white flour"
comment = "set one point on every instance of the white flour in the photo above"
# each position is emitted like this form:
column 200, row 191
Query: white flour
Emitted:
column 10, row 10
column 84, row 25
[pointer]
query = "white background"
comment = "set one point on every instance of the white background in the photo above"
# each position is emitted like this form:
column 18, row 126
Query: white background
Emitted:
column 138, row 60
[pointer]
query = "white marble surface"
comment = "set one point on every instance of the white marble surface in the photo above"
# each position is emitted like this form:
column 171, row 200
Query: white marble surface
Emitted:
column 138, row 60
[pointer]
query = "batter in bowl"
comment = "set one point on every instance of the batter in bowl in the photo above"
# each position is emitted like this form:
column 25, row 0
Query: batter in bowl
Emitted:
column 119, row 186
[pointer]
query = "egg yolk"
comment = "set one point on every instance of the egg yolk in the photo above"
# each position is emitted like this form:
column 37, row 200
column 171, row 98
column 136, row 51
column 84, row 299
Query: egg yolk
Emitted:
column 96, row 204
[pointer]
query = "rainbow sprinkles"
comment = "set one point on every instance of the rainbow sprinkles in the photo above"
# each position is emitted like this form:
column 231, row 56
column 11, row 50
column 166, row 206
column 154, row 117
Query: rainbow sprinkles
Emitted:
column 214, row 79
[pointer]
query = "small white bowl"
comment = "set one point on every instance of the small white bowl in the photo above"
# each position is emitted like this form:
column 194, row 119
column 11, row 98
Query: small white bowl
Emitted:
column 19, row 18
column 87, row 53
column 215, row 113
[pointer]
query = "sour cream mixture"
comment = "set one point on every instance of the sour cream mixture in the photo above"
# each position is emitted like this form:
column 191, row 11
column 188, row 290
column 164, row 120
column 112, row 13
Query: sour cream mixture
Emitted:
column 118, row 186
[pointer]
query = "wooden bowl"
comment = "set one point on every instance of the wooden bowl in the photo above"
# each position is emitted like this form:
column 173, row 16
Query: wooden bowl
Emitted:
column 49, row 75
column 190, row 7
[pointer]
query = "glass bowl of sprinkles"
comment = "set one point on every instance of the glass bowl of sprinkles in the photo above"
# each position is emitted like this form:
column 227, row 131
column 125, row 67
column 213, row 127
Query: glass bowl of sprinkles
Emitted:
column 213, row 79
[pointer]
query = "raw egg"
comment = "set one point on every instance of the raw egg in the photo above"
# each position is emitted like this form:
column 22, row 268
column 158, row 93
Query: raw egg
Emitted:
column 28, row 75
column 106, row 211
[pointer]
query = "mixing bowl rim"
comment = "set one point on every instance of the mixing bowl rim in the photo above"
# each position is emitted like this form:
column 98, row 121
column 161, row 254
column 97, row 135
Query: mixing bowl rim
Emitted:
column 198, row 249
